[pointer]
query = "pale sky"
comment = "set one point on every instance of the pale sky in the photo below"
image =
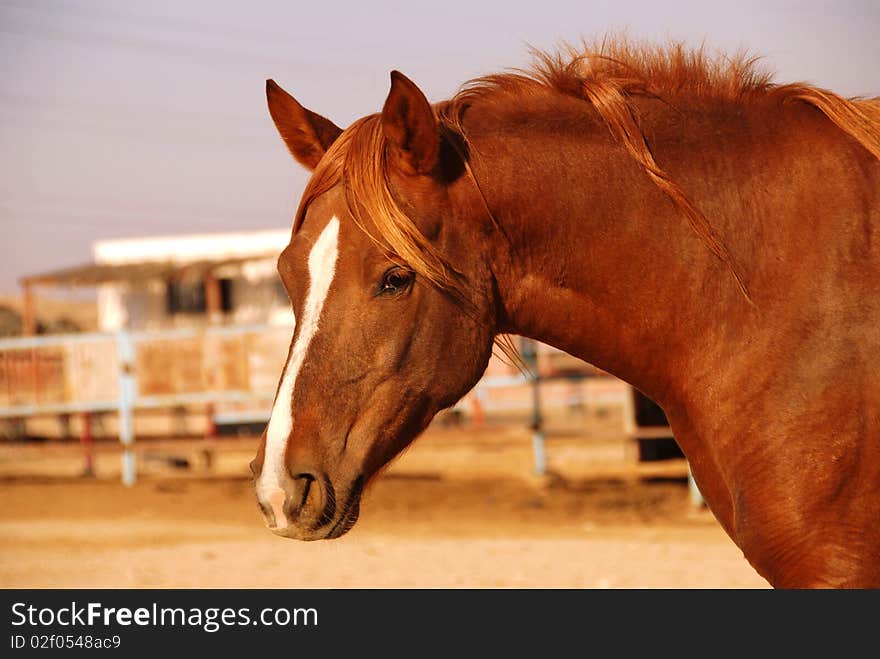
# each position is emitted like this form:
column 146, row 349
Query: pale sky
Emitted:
column 125, row 119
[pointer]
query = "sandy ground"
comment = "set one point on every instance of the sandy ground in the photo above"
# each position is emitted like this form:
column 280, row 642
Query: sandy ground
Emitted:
column 460, row 509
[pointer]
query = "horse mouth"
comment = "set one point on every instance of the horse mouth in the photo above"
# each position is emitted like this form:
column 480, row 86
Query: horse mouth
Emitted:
column 345, row 523
column 350, row 512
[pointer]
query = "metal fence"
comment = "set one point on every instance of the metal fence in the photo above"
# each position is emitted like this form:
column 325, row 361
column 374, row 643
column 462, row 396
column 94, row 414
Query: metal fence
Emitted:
column 126, row 371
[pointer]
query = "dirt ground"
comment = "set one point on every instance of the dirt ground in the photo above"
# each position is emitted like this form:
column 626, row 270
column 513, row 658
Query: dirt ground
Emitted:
column 460, row 509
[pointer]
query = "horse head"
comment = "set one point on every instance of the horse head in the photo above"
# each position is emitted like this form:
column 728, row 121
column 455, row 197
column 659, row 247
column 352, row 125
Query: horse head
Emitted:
column 395, row 312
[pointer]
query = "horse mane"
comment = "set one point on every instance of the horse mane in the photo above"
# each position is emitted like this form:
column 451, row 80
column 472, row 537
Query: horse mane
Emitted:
column 610, row 75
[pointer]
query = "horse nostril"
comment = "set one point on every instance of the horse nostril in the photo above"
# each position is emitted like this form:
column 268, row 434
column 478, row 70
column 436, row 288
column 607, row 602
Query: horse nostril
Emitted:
column 304, row 487
column 298, row 500
column 304, row 482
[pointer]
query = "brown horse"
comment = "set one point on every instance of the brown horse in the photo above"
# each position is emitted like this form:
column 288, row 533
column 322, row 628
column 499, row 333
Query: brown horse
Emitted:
column 676, row 219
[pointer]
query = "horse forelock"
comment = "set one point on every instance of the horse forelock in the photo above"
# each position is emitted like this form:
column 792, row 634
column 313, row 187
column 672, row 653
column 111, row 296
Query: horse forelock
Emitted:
column 358, row 161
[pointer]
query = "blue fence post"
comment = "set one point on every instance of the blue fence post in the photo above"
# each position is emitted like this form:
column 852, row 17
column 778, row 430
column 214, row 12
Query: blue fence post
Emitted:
column 127, row 393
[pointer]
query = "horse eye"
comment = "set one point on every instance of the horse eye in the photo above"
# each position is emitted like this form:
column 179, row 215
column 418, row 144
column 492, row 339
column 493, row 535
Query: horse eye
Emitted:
column 395, row 281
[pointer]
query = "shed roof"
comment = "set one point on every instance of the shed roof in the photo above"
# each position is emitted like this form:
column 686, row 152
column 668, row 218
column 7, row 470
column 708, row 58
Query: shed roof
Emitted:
column 93, row 274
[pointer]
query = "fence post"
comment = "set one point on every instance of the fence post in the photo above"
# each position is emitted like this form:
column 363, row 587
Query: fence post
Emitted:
column 210, row 435
column 478, row 413
column 127, row 393
column 28, row 312
column 87, row 442
column 529, row 350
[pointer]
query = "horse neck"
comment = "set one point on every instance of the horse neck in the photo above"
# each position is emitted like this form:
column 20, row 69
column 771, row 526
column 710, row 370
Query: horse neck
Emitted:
column 596, row 260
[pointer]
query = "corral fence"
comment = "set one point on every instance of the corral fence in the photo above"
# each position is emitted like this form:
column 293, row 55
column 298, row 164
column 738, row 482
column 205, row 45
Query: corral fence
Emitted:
column 235, row 366
column 127, row 371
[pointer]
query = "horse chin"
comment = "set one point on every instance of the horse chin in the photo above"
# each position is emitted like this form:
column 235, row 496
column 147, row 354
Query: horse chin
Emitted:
column 346, row 522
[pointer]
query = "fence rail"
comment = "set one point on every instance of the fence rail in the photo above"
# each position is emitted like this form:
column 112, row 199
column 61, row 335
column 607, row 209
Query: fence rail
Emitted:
column 90, row 372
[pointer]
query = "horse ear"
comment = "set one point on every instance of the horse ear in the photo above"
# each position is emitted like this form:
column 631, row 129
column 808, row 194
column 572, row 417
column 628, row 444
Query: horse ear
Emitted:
column 410, row 126
column 307, row 135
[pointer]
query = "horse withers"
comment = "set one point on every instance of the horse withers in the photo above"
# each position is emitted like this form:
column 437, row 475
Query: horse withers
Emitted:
column 680, row 221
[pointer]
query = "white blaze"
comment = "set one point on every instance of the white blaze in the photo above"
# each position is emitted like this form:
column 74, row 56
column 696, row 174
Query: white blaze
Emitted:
column 322, row 267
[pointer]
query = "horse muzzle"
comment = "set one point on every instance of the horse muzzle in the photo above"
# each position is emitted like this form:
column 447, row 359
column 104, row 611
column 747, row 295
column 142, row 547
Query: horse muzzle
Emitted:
column 305, row 506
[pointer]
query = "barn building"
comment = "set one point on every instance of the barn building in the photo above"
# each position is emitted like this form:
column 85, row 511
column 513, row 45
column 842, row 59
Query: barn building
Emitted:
column 178, row 281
